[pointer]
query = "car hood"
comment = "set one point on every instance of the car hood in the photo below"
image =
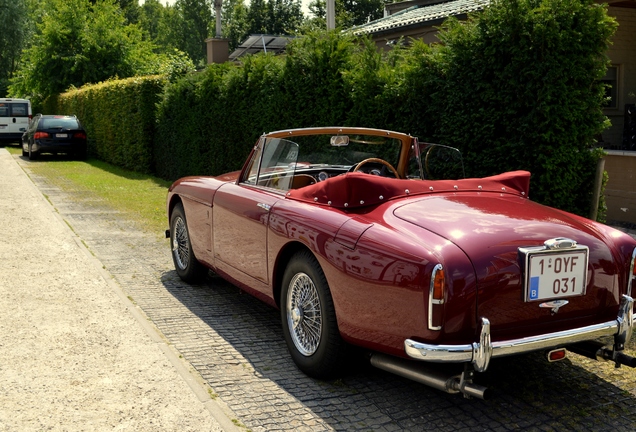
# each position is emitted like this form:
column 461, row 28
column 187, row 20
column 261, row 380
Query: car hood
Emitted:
column 490, row 227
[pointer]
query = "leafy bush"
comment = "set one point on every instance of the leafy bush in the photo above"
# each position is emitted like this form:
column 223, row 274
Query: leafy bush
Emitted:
column 519, row 89
column 515, row 87
column 207, row 123
column 119, row 117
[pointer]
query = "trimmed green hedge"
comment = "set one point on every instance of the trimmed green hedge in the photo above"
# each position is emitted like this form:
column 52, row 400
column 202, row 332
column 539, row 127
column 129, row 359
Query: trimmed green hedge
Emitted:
column 119, row 117
column 515, row 87
column 520, row 90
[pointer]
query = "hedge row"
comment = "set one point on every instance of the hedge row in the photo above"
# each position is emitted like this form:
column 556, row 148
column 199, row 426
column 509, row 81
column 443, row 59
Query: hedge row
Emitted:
column 120, row 119
column 515, row 87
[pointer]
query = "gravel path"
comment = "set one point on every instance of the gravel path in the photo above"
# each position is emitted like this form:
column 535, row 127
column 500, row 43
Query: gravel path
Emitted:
column 75, row 353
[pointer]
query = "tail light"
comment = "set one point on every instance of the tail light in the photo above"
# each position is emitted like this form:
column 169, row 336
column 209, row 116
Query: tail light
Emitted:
column 557, row 354
column 40, row 135
column 436, row 298
column 80, row 135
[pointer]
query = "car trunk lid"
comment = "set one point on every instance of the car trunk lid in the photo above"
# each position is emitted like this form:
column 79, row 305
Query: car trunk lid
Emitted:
column 490, row 228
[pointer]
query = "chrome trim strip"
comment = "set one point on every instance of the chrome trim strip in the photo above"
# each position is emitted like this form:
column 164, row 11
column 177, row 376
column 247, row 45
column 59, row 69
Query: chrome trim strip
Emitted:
column 480, row 353
column 431, row 300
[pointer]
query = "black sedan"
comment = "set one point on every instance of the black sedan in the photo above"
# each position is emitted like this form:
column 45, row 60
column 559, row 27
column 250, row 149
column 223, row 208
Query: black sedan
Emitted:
column 54, row 134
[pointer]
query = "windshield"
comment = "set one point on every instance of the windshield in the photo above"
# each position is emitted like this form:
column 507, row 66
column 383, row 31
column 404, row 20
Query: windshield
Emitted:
column 332, row 150
column 303, row 159
column 439, row 162
column 289, row 164
column 58, row 123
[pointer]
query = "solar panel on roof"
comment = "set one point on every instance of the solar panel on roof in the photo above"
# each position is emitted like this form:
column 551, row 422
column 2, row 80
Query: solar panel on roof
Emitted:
column 261, row 43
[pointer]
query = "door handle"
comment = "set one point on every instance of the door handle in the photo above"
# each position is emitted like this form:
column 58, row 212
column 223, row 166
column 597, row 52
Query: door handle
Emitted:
column 264, row 206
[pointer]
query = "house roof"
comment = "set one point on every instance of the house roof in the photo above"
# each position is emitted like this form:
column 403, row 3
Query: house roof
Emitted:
column 421, row 14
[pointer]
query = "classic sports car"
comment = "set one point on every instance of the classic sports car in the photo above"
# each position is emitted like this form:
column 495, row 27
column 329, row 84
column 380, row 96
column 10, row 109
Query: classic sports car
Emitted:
column 371, row 238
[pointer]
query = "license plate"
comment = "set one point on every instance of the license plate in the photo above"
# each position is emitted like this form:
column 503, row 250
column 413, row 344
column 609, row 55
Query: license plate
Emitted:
column 555, row 274
column 61, row 135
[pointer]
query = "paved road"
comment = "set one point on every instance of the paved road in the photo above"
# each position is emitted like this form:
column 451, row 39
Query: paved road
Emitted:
column 235, row 344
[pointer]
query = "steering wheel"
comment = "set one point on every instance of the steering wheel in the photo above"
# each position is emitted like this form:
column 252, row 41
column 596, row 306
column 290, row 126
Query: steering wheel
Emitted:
column 380, row 161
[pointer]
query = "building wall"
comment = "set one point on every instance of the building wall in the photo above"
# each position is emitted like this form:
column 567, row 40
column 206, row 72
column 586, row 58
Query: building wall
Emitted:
column 620, row 191
column 622, row 53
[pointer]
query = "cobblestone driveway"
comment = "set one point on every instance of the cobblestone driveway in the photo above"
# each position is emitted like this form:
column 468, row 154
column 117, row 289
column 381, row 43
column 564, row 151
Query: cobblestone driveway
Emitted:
column 235, row 343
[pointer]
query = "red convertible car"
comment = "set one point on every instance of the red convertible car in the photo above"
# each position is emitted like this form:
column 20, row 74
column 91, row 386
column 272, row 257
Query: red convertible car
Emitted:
column 370, row 238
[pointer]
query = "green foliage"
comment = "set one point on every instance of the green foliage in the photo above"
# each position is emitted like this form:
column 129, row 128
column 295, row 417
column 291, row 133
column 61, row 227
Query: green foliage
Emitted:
column 78, row 42
column 349, row 13
column 119, row 117
column 275, row 17
column 208, row 123
column 234, row 22
column 175, row 65
column 313, row 79
column 13, row 16
column 196, row 26
column 518, row 89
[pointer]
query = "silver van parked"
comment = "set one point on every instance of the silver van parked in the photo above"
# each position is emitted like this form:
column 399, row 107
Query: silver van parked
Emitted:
column 15, row 115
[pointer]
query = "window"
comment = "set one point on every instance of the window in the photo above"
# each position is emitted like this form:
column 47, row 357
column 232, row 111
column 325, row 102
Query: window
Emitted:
column 611, row 87
column 19, row 110
column 59, row 123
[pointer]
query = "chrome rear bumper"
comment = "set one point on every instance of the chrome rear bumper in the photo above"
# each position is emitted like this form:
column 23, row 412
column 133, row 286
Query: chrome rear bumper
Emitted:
column 480, row 353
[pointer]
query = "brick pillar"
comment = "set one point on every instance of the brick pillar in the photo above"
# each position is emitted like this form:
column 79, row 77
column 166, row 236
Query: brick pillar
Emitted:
column 218, row 50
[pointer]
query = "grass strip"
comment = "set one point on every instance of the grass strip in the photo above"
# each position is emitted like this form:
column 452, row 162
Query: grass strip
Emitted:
column 139, row 197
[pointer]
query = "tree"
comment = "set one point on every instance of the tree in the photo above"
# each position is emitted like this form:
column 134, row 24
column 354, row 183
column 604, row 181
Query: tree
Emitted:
column 14, row 17
column 151, row 14
column 131, row 11
column 276, row 17
column 196, row 26
column 283, row 16
column 349, row 13
column 234, row 22
column 78, row 42
column 257, row 17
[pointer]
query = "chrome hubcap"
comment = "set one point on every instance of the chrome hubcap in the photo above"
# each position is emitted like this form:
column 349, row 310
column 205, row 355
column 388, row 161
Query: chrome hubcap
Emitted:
column 181, row 244
column 304, row 316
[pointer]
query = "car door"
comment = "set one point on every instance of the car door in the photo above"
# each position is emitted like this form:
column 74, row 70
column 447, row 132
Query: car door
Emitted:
column 241, row 213
column 241, row 218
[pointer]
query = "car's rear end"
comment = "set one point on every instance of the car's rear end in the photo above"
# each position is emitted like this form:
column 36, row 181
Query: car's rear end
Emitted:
column 545, row 280
column 60, row 134
column 15, row 115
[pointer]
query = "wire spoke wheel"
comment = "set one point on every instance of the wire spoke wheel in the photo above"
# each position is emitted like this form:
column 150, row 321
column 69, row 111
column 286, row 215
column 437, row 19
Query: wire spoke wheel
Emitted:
column 304, row 314
column 309, row 319
column 185, row 262
column 181, row 244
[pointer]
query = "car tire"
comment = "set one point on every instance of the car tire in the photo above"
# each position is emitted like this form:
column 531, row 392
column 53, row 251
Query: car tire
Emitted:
column 309, row 319
column 32, row 155
column 186, row 264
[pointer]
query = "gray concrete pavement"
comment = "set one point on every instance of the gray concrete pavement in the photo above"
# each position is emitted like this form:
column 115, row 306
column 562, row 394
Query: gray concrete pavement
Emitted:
column 75, row 353
column 234, row 343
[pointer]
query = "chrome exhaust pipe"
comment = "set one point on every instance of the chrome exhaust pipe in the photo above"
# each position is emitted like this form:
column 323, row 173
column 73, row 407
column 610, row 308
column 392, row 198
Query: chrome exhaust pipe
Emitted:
column 419, row 372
